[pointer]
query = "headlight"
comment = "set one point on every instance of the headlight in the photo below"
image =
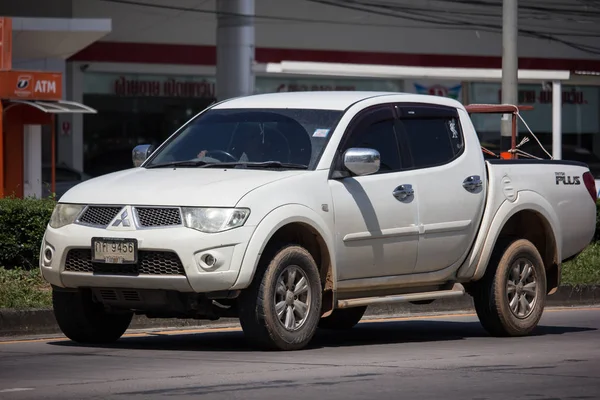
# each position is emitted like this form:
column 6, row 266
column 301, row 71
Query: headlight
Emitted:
column 65, row 214
column 212, row 220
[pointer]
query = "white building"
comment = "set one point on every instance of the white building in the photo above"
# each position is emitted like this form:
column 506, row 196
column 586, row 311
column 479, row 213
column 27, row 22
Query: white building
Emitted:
column 155, row 66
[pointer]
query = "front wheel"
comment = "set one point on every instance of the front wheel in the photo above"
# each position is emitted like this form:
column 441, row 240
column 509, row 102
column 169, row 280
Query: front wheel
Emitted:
column 280, row 309
column 510, row 298
column 84, row 321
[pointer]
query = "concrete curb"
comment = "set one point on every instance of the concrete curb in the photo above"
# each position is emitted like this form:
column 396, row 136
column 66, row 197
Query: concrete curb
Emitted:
column 41, row 321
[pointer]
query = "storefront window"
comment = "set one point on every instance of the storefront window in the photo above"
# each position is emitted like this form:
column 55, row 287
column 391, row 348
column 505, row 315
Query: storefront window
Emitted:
column 580, row 122
column 135, row 109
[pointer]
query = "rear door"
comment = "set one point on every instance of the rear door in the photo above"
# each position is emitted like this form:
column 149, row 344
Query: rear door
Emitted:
column 376, row 229
column 449, row 174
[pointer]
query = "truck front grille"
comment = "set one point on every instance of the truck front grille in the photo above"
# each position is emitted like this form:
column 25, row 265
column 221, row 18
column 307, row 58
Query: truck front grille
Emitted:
column 149, row 263
column 147, row 217
column 99, row 215
column 152, row 216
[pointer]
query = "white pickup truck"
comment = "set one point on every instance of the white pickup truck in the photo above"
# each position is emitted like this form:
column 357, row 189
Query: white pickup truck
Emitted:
column 293, row 211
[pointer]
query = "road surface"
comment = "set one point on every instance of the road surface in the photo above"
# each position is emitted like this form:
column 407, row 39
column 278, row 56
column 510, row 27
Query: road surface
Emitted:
column 435, row 357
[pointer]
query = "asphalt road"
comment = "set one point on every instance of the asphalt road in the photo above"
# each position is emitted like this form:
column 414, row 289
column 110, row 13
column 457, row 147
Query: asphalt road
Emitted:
column 443, row 357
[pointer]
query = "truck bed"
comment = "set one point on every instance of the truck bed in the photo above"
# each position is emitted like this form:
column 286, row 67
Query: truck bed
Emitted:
column 565, row 187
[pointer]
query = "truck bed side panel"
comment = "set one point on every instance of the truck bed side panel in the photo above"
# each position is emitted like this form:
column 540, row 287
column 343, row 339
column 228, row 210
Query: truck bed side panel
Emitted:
column 553, row 188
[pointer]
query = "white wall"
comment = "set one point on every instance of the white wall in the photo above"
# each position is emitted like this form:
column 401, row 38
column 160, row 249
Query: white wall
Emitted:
column 32, row 161
column 140, row 24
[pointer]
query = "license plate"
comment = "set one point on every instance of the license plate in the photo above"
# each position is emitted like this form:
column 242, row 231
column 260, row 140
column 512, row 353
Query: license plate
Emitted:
column 114, row 250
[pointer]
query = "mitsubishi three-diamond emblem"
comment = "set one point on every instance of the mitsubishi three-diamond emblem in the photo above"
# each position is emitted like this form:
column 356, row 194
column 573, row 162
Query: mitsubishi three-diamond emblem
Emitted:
column 123, row 220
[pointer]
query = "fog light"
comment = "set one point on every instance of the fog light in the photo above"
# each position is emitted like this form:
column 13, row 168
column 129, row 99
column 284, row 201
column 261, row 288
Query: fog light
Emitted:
column 48, row 255
column 215, row 259
column 210, row 260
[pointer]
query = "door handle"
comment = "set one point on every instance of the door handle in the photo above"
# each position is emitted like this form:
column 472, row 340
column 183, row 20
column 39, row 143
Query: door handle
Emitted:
column 472, row 183
column 403, row 191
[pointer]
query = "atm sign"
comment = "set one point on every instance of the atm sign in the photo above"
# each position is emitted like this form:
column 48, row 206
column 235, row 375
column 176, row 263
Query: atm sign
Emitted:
column 30, row 85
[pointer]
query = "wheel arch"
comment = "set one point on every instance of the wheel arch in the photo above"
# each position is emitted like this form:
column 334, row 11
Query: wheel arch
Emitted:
column 531, row 225
column 535, row 221
column 299, row 225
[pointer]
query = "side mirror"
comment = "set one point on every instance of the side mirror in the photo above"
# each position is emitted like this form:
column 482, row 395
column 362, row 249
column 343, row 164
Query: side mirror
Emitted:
column 362, row 161
column 141, row 153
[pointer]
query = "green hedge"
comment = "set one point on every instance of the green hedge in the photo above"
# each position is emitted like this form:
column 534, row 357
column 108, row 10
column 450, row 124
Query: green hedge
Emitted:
column 22, row 226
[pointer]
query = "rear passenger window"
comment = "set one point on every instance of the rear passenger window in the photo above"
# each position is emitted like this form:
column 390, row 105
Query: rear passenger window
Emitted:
column 432, row 141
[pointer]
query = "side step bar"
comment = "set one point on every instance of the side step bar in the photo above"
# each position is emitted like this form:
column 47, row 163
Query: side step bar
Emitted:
column 457, row 291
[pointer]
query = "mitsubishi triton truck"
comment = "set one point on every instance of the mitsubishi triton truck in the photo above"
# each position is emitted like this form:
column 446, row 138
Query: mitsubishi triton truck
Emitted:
column 296, row 211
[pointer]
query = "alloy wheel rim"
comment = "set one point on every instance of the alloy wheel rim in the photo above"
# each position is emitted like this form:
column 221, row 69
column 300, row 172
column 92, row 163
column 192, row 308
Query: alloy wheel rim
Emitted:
column 292, row 298
column 521, row 288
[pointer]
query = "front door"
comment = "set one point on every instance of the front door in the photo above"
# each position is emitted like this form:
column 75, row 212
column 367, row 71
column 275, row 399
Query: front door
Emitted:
column 448, row 171
column 376, row 228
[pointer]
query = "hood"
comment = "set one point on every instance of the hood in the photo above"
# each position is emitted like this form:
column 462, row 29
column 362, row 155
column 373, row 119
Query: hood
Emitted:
column 173, row 187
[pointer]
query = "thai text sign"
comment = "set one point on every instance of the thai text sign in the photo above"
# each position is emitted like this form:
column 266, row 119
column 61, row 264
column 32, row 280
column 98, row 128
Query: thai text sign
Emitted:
column 142, row 85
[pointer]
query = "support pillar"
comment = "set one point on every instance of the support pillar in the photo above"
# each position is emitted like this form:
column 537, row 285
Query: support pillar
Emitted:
column 32, row 161
column 556, row 120
column 510, row 64
column 235, row 48
column 70, row 141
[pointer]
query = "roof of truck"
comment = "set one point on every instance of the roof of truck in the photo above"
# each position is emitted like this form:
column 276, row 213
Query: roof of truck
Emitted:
column 327, row 100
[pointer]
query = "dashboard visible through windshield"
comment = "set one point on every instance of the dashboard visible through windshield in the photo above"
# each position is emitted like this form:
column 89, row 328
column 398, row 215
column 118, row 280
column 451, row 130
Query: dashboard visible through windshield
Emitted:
column 259, row 137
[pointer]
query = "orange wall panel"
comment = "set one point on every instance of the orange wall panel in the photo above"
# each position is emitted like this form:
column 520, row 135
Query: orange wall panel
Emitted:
column 14, row 120
column 5, row 44
column 13, row 157
column 2, row 187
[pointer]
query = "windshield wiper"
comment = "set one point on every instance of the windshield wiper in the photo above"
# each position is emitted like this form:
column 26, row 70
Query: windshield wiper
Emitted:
column 264, row 164
column 187, row 163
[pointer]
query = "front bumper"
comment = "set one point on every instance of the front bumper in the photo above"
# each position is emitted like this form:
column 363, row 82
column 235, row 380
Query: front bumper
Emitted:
column 183, row 270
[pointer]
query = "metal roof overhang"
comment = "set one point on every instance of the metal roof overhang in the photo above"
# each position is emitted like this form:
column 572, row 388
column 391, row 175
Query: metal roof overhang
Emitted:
column 54, row 106
column 406, row 72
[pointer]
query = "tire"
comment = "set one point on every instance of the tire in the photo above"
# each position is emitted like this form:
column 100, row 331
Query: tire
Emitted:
column 84, row 321
column 492, row 296
column 258, row 304
column 343, row 318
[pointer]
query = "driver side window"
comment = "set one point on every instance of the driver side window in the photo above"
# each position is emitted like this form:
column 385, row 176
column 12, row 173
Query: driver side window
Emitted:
column 375, row 129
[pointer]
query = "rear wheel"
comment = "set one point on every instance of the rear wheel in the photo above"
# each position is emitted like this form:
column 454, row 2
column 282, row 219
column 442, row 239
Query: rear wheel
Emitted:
column 511, row 297
column 280, row 309
column 84, row 321
column 343, row 318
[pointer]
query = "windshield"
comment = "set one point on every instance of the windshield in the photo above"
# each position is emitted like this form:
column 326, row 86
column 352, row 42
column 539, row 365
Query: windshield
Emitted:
column 268, row 136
